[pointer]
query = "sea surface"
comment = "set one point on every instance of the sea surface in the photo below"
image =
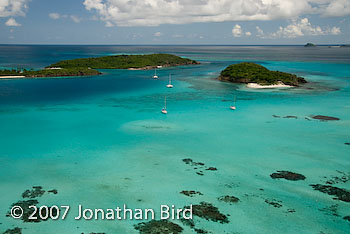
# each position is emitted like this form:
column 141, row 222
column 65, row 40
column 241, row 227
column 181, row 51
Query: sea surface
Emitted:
column 102, row 142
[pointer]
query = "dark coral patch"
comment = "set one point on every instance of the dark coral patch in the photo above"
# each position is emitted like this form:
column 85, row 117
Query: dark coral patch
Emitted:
column 288, row 175
column 330, row 210
column 339, row 193
column 158, row 227
column 198, row 166
column 16, row 230
column 274, row 203
column 228, row 199
column 37, row 191
column 96, row 233
column 54, row 191
column 342, row 178
column 190, row 193
column 209, row 212
column 27, row 212
column 347, row 143
column 347, row 218
column 324, row 118
column 200, row 231
column 211, row 169
column 290, row 117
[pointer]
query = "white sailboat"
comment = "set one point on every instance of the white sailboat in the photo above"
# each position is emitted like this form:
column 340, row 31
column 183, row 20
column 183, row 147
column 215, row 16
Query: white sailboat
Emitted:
column 169, row 85
column 155, row 74
column 164, row 111
column 234, row 104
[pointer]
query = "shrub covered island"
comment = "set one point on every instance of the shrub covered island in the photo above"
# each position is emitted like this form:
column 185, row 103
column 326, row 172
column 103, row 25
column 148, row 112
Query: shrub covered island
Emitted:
column 88, row 66
column 255, row 73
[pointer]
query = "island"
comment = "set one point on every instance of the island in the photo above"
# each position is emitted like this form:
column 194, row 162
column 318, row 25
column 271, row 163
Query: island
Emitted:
column 309, row 45
column 258, row 76
column 88, row 66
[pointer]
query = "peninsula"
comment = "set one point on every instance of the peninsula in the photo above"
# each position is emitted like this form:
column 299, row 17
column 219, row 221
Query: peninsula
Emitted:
column 88, row 66
column 257, row 76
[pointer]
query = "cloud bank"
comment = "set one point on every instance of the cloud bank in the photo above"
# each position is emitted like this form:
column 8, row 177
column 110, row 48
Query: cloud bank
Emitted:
column 10, row 8
column 299, row 28
column 156, row 12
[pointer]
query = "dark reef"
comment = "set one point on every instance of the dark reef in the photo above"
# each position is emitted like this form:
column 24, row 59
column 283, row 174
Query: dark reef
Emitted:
column 339, row 193
column 15, row 230
column 324, row 118
column 53, row 191
column 290, row 117
column 158, row 227
column 198, row 166
column 228, row 199
column 288, row 175
column 26, row 210
column 343, row 178
column 190, row 193
column 37, row 191
column 209, row 212
column 274, row 203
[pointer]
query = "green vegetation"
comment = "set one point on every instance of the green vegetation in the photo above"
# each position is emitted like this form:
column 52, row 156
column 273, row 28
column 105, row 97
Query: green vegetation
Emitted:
column 255, row 73
column 309, row 45
column 50, row 72
column 87, row 66
column 126, row 61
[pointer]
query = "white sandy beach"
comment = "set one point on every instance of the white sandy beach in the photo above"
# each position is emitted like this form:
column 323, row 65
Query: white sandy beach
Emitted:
column 11, row 77
column 258, row 86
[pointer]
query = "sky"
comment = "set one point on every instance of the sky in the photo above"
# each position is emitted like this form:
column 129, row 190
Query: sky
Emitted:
column 219, row 22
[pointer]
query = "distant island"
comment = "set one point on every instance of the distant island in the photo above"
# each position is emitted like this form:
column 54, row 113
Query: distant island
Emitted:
column 257, row 76
column 88, row 66
column 309, row 45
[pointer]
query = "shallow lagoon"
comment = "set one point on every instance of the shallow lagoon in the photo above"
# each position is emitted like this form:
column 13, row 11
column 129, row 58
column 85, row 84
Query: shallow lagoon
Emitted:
column 102, row 141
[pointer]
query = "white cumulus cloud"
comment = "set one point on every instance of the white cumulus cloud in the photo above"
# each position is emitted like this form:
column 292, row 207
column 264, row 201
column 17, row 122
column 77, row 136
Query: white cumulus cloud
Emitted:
column 156, row 12
column 300, row 28
column 237, row 30
column 54, row 16
column 10, row 8
column 12, row 22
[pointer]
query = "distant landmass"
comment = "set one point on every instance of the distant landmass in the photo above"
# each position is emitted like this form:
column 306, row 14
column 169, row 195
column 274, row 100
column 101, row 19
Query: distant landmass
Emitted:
column 309, row 45
column 254, row 73
column 88, row 66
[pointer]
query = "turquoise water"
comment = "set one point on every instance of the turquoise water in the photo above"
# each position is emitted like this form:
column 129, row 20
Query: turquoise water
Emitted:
column 101, row 141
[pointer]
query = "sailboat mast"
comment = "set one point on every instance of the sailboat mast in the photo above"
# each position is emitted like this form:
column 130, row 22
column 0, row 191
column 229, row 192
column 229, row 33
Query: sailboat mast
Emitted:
column 165, row 102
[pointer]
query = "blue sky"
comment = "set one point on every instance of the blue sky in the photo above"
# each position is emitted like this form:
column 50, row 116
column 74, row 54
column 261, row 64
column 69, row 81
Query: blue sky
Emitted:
column 237, row 22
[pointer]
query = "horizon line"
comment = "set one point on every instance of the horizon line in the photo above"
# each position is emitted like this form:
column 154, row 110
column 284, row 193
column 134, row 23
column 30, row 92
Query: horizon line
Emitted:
column 38, row 44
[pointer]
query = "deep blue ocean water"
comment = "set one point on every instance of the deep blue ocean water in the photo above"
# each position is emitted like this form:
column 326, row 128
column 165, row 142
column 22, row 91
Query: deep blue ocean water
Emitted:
column 101, row 141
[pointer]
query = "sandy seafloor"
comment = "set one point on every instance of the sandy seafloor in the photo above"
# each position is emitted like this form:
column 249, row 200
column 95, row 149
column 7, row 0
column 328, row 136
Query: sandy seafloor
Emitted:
column 102, row 142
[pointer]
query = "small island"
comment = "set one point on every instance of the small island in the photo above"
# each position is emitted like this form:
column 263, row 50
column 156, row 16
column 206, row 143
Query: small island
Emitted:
column 257, row 76
column 88, row 66
column 309, row 45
